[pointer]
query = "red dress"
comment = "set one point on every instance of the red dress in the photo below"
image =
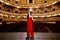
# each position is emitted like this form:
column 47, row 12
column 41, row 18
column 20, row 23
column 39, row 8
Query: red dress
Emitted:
column 30, row 27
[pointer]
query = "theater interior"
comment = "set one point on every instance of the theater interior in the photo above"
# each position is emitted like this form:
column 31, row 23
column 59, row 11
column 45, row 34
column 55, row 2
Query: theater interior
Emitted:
column 14, row 18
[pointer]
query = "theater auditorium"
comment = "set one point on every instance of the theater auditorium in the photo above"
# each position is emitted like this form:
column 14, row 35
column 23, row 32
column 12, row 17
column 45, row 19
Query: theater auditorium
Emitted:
column 29, row 19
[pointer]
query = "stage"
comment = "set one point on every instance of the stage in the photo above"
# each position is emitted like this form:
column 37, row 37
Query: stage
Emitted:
column 22, row 36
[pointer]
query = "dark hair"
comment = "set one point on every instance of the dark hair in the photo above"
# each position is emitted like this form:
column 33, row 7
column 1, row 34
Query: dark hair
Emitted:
column 28, row 15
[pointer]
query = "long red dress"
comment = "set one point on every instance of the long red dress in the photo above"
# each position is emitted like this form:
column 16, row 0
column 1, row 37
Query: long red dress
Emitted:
column 30, row 27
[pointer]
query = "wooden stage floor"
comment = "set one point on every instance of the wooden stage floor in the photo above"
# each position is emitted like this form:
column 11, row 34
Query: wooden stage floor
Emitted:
column 22, row 36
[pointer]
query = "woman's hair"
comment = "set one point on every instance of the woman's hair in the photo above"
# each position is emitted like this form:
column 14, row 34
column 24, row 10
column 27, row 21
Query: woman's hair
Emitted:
column 28, row 15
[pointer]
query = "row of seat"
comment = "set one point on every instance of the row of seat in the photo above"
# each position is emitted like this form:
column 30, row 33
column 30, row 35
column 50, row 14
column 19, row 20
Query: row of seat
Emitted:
column 24, row 16
column 47, row 9
column 27, row 2
column 12, row 9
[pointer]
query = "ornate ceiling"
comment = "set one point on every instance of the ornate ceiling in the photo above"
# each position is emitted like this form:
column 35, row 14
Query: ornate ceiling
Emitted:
column 42, row 10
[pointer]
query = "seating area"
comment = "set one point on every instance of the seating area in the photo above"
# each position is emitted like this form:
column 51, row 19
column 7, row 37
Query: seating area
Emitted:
column 38, row 27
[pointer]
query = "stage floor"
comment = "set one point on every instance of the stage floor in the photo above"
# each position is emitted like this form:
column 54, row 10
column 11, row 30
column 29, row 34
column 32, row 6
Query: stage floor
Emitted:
column 22, row 36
